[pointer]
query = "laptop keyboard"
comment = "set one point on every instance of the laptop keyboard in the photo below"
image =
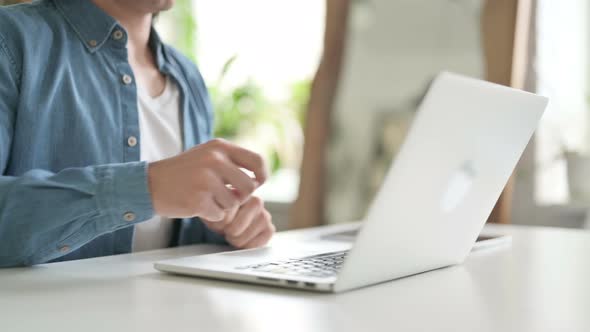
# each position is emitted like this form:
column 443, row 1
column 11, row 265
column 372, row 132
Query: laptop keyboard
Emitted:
column 319, row 266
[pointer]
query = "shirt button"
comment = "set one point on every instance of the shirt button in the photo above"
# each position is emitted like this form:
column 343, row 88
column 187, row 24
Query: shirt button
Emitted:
column 64, row 249
column 117, row 35
column 127, row 79
column 132, row 141
column 92, row 43
column 129, row 216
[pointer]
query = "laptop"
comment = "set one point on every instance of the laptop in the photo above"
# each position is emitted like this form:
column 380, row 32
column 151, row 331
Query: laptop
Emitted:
column 464, row 143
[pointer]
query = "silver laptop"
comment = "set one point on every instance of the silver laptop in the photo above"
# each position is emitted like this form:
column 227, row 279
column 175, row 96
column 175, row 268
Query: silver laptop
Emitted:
column 465, row 141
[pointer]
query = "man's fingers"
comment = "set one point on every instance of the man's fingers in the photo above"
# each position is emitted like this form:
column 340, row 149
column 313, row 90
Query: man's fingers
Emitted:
column 232, row 175
column 221, row 225
column 258, row 225
column 261, row 239
column 213, row 211
column 240, row 241
column 230, row 216
column 248, row 160
column 250, row 210
column 225, row 197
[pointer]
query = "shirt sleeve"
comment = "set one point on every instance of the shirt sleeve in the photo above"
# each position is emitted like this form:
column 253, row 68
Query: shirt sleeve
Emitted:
column 44, row 215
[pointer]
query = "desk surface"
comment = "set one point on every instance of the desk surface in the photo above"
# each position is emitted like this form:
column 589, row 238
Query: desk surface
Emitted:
column 540, row 283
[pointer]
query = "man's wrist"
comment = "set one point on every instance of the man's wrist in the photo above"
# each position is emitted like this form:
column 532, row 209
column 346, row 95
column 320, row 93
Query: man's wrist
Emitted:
column 124, row 193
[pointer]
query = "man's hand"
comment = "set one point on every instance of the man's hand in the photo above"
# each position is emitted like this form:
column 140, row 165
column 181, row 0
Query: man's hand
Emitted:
column 195, row 183
column 247, row 226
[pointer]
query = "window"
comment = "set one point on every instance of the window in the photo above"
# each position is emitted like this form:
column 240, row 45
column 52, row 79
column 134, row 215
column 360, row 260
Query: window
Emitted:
column 562, row 69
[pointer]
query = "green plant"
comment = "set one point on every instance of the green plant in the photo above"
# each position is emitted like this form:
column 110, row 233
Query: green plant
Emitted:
column 235, row 108
column 300, row 98
column 243, row 113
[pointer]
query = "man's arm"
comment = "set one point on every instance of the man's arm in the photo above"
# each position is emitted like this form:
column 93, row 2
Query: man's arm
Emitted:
column 44, row 215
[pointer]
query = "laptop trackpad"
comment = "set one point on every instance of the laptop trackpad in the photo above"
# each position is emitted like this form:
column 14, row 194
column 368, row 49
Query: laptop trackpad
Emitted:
column 345, row 236
column 260, row 252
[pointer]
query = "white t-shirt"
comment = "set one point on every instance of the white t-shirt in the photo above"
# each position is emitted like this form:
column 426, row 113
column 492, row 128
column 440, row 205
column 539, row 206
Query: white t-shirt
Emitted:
column 161, row 137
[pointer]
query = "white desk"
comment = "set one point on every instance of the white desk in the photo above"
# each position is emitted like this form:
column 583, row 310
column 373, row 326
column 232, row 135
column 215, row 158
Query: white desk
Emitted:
column 541, row 283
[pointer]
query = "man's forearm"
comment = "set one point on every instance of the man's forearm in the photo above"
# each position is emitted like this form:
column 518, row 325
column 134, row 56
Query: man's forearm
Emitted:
column 46, row 215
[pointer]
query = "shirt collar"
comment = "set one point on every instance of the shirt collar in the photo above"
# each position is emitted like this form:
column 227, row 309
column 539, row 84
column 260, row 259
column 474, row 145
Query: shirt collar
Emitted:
column 155, row 43
column 92, row 25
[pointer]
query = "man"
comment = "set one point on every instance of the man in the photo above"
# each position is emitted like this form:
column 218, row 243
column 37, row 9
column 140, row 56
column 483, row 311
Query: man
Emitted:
column 94, row 114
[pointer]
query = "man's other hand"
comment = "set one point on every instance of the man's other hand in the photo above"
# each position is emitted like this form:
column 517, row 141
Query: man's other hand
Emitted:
column 247, row 226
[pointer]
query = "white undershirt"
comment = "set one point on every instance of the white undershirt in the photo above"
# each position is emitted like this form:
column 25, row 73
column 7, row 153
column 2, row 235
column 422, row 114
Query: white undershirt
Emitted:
column 161, row 137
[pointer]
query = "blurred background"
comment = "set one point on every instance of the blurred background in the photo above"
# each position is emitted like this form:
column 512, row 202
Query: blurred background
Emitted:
column 326, row 91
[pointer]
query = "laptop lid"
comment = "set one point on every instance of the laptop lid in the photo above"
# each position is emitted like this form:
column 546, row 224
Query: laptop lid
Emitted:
column 465, row 141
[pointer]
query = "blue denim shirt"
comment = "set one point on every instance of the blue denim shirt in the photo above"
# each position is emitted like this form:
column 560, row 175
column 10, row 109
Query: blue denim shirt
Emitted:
column 71, row 186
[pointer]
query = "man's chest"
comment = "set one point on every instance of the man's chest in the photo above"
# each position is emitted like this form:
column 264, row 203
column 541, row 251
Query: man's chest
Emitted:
column 84, row 111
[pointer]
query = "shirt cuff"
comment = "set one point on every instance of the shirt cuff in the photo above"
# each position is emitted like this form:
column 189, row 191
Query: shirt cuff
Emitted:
column 123, row 194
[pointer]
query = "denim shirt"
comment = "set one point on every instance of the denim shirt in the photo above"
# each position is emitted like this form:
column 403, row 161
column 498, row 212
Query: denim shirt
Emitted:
column 71, row 185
